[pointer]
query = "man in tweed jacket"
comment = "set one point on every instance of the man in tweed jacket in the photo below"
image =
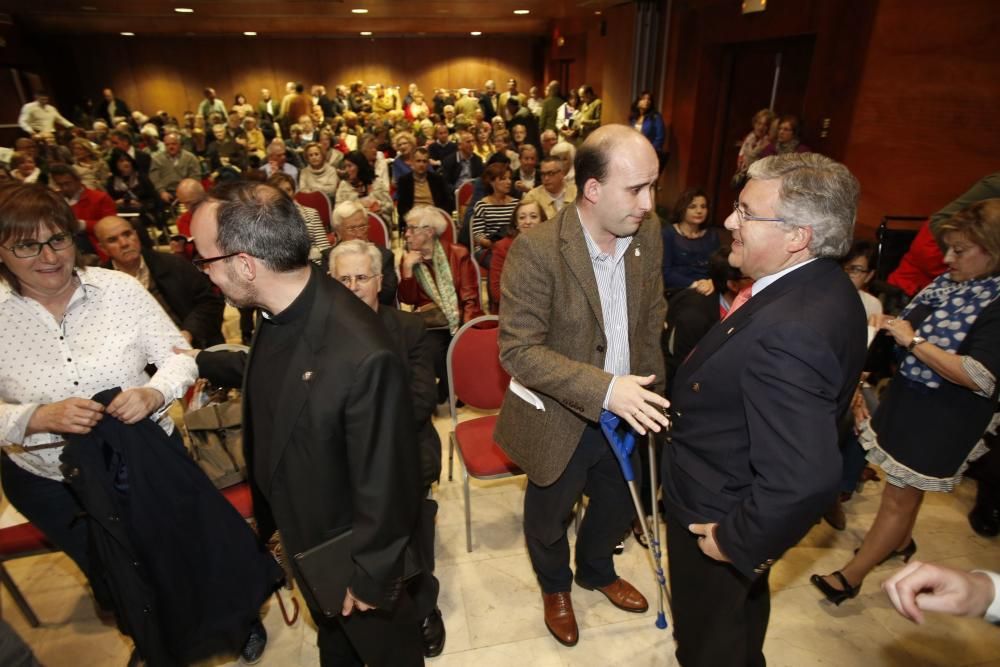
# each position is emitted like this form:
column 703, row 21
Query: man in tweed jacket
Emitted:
column 580, row 327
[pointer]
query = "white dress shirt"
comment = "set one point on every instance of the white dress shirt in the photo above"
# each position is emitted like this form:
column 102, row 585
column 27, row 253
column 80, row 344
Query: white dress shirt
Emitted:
column 111, row 330
column 36, row 119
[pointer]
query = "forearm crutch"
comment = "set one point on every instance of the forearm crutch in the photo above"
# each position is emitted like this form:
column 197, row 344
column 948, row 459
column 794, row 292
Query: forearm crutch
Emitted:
column 622, row 441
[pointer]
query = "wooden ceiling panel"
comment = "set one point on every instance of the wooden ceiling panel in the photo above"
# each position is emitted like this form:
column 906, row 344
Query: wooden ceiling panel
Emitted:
column 283, row 18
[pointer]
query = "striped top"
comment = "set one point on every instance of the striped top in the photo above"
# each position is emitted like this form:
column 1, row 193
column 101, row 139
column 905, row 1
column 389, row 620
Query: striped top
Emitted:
column 317, row 232
column 491, row 220
column 609, row 270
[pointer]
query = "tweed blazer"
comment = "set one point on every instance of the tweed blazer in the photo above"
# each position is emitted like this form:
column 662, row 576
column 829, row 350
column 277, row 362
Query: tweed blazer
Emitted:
column 552, row 337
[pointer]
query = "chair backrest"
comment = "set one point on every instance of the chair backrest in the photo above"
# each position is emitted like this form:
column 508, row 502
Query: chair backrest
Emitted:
column 378, row 233
column 895, row 234
column 449, row 231
column 320, row 202
column 463, row 195
column 475, row 375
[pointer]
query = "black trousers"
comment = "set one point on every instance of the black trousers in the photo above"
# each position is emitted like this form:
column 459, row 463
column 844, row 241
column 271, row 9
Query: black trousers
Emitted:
column 720, row 617
column 593, row 470
column 376, row 638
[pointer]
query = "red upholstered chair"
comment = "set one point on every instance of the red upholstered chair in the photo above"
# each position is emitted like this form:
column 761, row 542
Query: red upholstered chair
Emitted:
column 25, row 540
column 476, row 377
column 449, row 231
column 378, row 233
column 320, row 202
column 463, row 195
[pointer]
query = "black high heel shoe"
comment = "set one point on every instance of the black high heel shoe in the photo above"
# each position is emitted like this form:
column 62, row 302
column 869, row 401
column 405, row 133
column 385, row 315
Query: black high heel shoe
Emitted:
column 906, row 553
column 835, row 595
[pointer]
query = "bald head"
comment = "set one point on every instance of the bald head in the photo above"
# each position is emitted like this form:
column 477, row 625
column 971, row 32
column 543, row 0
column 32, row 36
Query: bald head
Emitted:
column 190, row 192
column 119, row 240
column 594, row 156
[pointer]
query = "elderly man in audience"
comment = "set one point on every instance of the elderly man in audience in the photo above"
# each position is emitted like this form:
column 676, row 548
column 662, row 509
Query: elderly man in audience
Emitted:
column 110, row 106
column 554, row 193
column 170, row 166
column 190, row 192
column 442, row 147
column 211, row 104
column 122, row 141
column 186, row 295
column 89, row 206
column 277, row 161
column 358, row 265
column 526, row 175
column 489, row 101
column 39, row 118
column 590, row 112
column 421, row 187
column 350, row 223
column 463, row 165
column 466, row 104
column 512, row 93
column 548, row 139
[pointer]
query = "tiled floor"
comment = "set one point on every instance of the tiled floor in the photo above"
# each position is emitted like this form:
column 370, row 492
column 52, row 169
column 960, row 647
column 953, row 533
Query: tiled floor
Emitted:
column 493, row 613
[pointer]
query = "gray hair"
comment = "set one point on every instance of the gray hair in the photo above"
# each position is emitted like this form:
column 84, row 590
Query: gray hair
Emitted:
column 815, row 192
column 357, row 247
column 346, row 209
column 433, row 217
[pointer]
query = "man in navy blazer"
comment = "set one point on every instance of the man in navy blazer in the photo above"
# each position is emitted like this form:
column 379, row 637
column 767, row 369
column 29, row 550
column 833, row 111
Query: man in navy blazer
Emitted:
column 754, row 460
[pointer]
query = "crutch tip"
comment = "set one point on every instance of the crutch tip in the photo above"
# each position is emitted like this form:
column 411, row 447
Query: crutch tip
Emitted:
column 661, row 621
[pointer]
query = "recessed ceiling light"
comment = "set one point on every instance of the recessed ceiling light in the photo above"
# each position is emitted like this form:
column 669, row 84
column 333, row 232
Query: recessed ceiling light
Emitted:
column 128, row 34
column 522, row 11
column 359, row 11
column 366, row 33
column 250, row 33
column 597, row 12
column 89, row 8
column 183, row 10
column 475, row 33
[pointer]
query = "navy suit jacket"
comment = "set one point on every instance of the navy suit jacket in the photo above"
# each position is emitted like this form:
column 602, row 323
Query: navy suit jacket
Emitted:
column 755, row 410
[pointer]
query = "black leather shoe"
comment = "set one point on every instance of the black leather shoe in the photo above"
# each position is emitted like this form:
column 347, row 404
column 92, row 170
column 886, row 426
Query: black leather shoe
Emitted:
column 985, row 520
column 433, row 634
column 254, row 647
column 835, row 595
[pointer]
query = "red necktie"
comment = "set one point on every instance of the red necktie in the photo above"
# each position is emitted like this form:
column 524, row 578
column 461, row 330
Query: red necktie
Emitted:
column 740, row 299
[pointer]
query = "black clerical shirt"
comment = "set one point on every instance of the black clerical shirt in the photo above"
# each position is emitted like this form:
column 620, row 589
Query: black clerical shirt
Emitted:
column 276, row 339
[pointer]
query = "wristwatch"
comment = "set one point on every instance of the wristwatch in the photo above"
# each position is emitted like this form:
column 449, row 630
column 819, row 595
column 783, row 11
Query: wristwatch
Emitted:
column 916, row 340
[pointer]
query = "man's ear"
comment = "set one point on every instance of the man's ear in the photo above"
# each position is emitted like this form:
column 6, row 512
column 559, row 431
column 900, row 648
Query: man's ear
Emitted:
column 799, row 239
column 592, row 190
column 246, row 266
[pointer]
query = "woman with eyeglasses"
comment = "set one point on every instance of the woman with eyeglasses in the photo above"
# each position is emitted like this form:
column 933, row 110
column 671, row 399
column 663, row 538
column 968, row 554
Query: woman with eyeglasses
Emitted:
column 933, row 418
column 439, row 280
column 69, row 333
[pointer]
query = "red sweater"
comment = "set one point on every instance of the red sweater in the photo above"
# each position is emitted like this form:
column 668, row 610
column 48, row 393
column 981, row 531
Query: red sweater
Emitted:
column 93, row 206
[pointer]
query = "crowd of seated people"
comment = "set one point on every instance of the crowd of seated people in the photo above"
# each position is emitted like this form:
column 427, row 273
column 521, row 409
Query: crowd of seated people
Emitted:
column 403, row 158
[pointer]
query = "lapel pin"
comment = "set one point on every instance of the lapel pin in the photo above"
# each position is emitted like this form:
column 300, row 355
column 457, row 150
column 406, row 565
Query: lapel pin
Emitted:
column 637, row 253
column 731, row 330
column 308, row 375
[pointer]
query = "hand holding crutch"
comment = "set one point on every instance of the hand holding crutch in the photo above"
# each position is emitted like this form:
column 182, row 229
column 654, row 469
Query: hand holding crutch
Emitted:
column 622, row 441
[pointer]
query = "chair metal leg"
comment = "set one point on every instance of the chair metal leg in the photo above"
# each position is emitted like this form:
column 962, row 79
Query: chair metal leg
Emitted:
column 468, row 512
column 19, row 600
column 451, row 454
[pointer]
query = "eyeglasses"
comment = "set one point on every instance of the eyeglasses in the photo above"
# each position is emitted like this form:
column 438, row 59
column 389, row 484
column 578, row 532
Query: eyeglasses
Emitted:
column 549, row 173
column 856, row 270
column 360, row 279
column 202, row 264
column 26, row 249
column 422, row 228
column 357, row 228
column 746, row 217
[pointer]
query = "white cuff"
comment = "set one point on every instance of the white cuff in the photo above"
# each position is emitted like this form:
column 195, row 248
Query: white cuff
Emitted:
column 993, row 611
column 607, row 395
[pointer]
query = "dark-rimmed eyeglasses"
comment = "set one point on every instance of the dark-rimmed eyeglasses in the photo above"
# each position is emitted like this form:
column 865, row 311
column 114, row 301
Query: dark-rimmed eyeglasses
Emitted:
column 746, row 217
column 28, row 249
column 202, row 263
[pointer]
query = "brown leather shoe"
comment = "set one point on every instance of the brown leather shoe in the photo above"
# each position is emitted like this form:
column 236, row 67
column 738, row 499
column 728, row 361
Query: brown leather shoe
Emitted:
column 622, row 595
column 560, row 619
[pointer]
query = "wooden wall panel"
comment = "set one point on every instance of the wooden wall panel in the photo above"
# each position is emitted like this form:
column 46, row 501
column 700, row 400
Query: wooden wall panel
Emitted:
column 170, row 73
column 925, row 125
